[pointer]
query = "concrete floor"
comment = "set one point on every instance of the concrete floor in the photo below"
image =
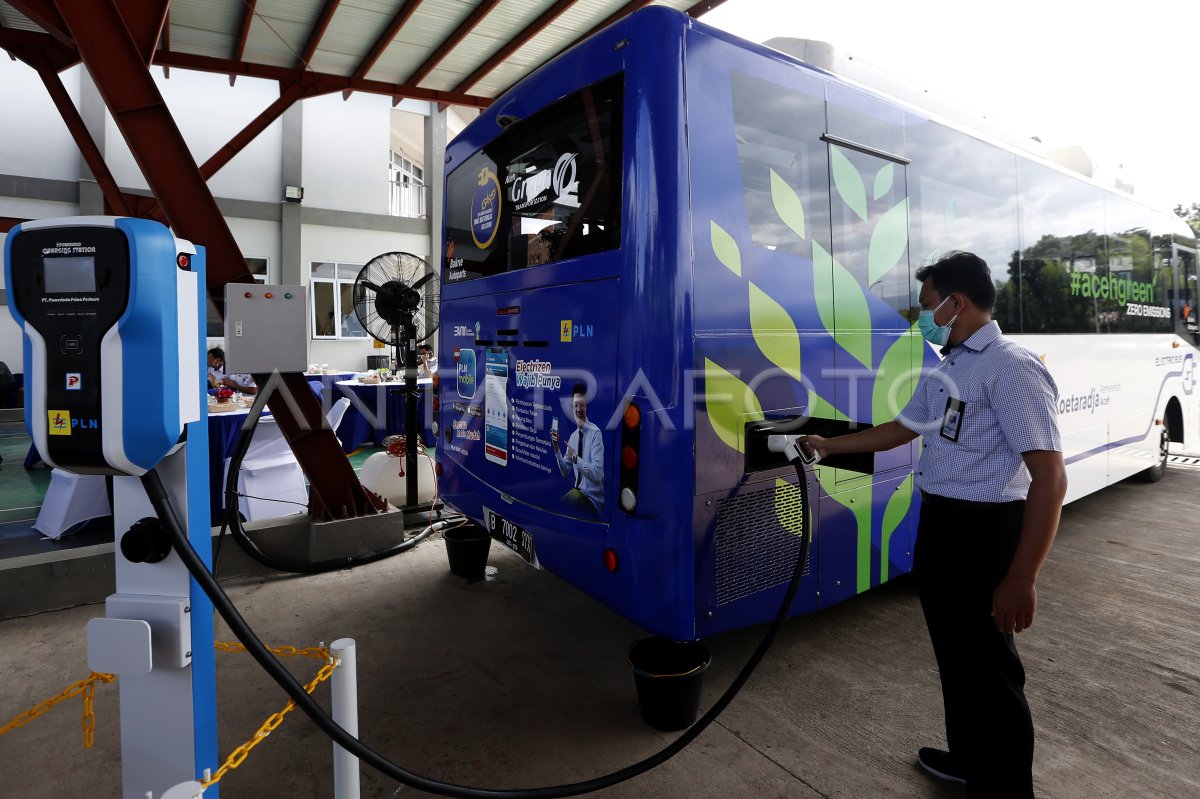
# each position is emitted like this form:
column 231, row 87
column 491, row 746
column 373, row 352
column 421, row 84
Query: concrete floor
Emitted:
column 521, row 681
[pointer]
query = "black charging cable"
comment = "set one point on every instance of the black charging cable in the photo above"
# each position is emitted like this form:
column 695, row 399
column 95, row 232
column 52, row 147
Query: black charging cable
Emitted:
column 242, row 631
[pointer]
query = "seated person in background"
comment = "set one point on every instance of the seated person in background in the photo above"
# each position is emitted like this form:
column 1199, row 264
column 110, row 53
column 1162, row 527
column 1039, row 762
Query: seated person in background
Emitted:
column 426, row 364
column 217, row 377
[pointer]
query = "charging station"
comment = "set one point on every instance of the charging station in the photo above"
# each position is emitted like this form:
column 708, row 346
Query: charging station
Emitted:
column 111, row 310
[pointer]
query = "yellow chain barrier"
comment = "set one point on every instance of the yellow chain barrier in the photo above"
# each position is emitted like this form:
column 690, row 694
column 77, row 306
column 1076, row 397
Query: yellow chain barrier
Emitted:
column 238, row 755
column 87, row 687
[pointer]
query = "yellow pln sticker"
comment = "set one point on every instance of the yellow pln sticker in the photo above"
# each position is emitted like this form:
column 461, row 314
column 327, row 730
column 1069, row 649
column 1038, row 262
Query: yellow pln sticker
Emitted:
column 59, row 423
column 565, row 330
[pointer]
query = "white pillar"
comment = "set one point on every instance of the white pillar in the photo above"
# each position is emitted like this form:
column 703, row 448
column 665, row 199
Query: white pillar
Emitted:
column 344, row 698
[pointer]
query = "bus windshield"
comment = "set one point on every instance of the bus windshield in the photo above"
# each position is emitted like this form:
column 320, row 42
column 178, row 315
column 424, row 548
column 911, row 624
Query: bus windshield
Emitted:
column 545, row 190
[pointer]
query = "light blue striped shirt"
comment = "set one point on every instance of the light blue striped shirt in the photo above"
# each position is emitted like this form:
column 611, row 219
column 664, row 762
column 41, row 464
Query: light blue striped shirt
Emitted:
column 998, row 400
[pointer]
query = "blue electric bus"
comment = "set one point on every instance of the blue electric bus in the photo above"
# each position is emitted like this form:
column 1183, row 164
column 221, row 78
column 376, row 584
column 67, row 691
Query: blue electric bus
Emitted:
column 668, row 244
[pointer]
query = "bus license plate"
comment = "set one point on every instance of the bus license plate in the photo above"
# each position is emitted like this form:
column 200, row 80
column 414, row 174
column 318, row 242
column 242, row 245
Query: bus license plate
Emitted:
column 513, row 536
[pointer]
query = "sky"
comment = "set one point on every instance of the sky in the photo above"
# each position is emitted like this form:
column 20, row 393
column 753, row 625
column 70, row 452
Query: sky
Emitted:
column 1118, row 79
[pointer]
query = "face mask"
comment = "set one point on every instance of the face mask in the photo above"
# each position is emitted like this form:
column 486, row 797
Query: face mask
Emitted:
column 933, row 333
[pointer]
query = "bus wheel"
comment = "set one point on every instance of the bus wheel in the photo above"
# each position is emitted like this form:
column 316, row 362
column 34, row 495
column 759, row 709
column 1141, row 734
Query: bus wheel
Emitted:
column 1156, row 472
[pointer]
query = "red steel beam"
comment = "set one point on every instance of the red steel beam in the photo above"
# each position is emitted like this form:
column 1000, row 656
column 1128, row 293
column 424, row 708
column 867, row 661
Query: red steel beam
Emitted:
column 324, row 83
column 7, row 223
column 319, row 28
column 239, row 49
column 221, row 157
column 144, row 19
column 385, row 38
column 165, row 39
column 496, row 59
column 137, row 107
column 113, row 197
column 44, row 13
column 442, row 50
column 11, row 39
column 29, row 46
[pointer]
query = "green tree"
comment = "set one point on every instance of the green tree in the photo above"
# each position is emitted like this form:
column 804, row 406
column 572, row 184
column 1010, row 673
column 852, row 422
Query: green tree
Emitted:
column 1190, row 215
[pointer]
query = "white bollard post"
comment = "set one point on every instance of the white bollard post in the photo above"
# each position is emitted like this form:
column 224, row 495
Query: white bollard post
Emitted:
column 344, row 698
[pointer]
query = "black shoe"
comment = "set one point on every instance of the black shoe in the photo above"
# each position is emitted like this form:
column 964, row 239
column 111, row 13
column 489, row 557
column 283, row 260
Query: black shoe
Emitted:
column 941, row 764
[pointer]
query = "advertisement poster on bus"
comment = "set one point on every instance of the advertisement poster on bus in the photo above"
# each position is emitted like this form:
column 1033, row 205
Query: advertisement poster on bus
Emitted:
column 533, row 401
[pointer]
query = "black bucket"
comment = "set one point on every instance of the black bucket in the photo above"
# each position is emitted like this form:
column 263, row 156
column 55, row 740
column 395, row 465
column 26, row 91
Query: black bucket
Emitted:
column 467, row 550
column 668, row 675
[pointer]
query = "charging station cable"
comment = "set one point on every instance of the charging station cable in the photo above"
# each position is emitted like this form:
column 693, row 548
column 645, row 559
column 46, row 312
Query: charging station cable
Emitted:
column 161, row 503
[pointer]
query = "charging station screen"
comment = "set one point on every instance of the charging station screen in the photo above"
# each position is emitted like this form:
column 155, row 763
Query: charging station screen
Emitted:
column 68, row 275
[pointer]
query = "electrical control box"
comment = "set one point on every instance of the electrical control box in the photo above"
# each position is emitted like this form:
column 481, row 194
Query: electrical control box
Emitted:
column 266, row 328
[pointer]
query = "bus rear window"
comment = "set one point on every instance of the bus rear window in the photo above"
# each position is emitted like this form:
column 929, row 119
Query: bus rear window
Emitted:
column 547, row 189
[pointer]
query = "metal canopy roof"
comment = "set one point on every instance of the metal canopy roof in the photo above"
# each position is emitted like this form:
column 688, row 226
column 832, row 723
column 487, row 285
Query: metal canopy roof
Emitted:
column 463, row 52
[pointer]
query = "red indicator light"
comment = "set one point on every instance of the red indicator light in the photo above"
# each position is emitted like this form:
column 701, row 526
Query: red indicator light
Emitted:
column 610, row 560
column 267, row 295
column 182, row 261
column 249, row 295
column 629, row 458
column 437, row 404
column 633, row 417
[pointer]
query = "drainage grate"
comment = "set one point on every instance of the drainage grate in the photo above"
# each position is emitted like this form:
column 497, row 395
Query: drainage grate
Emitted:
column 758, row 541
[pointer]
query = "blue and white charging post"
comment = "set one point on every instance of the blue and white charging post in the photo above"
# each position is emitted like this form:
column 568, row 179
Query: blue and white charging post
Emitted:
column 112, row 311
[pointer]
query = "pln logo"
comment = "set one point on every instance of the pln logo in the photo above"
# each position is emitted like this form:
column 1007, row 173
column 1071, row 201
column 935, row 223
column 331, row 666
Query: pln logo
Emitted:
column 59, row 423
column 569, row 331
column 74, row 381
column 467, row 374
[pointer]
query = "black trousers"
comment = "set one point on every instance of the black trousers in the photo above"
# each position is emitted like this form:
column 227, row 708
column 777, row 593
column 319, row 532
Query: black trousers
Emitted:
column 963, row 551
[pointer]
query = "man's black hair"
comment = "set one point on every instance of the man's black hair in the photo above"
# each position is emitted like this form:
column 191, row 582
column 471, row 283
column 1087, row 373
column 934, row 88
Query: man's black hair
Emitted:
column 579, row 388
column 217, row 352
column 425, row 347
column 963, row 272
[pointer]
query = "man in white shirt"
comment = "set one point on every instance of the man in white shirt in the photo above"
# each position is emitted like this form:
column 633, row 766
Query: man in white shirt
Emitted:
column 426, row 363
column 218, row 379
column 584, row 459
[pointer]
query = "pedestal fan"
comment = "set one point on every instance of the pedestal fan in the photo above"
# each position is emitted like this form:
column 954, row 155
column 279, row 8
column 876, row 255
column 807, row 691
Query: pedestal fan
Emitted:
column 397, row 297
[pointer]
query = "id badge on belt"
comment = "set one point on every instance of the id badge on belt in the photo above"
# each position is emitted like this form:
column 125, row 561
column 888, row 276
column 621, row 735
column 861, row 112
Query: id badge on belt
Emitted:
column 952, row 421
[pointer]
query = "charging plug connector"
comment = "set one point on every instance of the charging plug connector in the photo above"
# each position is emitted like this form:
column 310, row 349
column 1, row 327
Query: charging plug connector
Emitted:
column 789, row 445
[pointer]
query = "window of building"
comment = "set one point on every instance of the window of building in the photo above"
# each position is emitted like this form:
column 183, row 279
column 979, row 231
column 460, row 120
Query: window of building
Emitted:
column 258, row 268
column 332, row 290
column 407, row 186
column 214, row 320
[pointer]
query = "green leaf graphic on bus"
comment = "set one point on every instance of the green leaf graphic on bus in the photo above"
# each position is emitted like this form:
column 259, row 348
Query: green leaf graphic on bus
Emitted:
column 774, row 332
column 849, row 183
column 850, row 322
column 787, row 500
column 884, row 179
column 729, row 404
column 726, row 248
column 897, row 508
column 787, row 204
column 896, row 379
column 889, row 241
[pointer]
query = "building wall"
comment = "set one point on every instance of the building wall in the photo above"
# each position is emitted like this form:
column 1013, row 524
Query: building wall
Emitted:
column 210, row 112
column 34, row 142
column 346, row 152
column 342, row 163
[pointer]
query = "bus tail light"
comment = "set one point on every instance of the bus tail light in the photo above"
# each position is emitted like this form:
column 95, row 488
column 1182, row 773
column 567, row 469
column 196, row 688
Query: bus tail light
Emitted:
column 631, row 442
column 610, row 560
